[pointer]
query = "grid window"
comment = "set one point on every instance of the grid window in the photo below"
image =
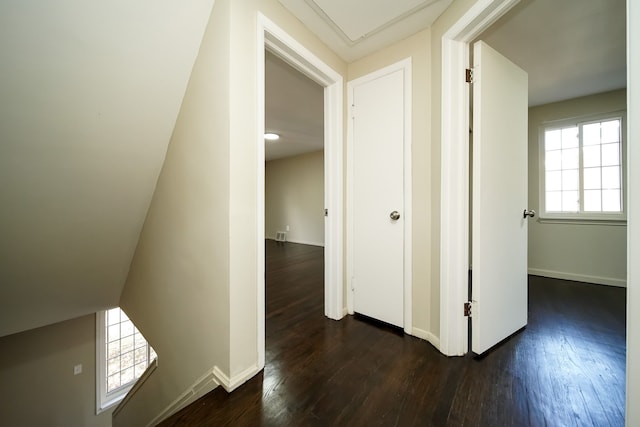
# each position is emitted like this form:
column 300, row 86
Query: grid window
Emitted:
column 583, row 169
column 123, row 355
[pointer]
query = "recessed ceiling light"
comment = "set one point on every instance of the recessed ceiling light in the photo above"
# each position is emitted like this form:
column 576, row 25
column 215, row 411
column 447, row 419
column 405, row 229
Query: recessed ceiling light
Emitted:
column 271, row 136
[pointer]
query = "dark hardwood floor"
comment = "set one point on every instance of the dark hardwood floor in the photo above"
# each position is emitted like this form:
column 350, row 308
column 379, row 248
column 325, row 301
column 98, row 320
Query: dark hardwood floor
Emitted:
column 566, row 368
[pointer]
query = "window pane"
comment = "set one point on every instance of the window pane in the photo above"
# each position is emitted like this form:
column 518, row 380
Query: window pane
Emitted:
column 140, row 368
column 127, row 375
column 554, row 181
column 611, row 200
column 113, row 349
column 139, row 340
column 552, row 140
column 113, row 333
column 611, row 177
column 570, row 180
column 141, row 354
column 611, row 154
column 113, row 316
column 588, row 175
column 570, row 137
column 553, row 160
column 570, row 201
column 113, row 366
column 127, row 353
column 127, row 360
column 591, row 179
column 592, row 201
column 570, row 158
column 553, row 202
column 126, row 344
column 591, row 156
column 591, row 134
column 611, row 131
column 126, row 328
column 113, row 382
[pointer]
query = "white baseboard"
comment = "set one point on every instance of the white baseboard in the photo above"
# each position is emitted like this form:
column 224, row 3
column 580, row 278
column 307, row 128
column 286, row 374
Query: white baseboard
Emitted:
column 301, row 242
column 578, row 277
column 204, row 385
column 426, row 335
column 199, row 388
column 230, row 384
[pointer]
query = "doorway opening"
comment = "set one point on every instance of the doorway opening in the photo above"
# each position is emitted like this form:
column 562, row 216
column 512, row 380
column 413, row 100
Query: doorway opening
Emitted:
column 478, row 24
column 273, row 39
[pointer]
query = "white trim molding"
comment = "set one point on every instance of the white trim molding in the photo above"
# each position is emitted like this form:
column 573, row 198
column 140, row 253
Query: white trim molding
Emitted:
column 406, row 66
column 454, row 234
column 597, row 280
column 136, row 386
column 235, row 381
column 207, row 382
column 427, row 336
column 276, row 40
column 632, row 415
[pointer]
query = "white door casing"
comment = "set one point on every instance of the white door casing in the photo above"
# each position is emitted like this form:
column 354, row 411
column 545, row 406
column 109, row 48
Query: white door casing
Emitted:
column 378, row 246
column 454, row 191
column 295, row 54
column 499, row 243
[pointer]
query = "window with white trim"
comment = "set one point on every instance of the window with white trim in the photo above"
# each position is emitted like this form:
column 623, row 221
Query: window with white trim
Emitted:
column 122, row 355
column 582, row 169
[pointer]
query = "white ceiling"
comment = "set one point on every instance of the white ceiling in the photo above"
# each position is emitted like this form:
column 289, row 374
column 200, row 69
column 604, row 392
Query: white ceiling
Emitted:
column 294, row 109
column 355, row 28
column 569, row 48
column 89, row 94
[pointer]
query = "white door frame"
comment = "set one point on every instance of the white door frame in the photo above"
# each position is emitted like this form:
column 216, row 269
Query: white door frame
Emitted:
column 275, row 39
column 632, row 414
column 405, row 66
column 454, row 199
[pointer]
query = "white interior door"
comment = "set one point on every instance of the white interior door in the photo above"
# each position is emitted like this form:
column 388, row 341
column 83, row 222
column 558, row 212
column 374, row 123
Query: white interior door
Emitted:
column 499, row 245
column 378, row 135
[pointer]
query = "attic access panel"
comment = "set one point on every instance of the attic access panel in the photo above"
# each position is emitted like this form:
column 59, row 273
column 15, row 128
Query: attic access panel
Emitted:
column 357, row 19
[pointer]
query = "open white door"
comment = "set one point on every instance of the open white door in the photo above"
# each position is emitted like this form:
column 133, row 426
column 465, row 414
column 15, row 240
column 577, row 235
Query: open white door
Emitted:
column 499, row 246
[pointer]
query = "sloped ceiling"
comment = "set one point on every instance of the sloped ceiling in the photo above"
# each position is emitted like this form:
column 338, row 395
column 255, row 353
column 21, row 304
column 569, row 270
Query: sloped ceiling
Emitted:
column 89, row 94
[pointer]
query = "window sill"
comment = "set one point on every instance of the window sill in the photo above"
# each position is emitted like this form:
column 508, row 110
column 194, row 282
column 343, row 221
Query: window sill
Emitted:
column 113, row 402
column 582, row 221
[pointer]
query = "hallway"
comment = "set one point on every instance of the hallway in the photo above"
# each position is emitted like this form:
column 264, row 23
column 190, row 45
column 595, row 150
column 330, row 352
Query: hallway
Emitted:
column 566, row 368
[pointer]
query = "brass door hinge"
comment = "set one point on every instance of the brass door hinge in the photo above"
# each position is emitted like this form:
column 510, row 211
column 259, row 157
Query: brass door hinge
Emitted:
column 467, row 309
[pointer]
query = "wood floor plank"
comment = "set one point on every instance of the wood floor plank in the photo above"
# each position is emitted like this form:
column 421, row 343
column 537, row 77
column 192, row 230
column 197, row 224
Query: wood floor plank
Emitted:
column 566, row 368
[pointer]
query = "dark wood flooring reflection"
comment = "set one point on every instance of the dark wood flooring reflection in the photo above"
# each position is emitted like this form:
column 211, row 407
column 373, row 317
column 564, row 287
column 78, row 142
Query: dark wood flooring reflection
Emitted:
column 567, row 368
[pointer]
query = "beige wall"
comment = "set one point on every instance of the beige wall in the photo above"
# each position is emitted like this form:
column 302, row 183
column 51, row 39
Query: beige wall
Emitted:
column 294, row 196
column 192, row 287
column 594, row 253
column 418, row 48
column 177, row 291
column 37, row 385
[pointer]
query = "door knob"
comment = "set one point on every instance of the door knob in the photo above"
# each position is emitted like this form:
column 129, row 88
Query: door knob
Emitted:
column 527, row 213
column 394, row 215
